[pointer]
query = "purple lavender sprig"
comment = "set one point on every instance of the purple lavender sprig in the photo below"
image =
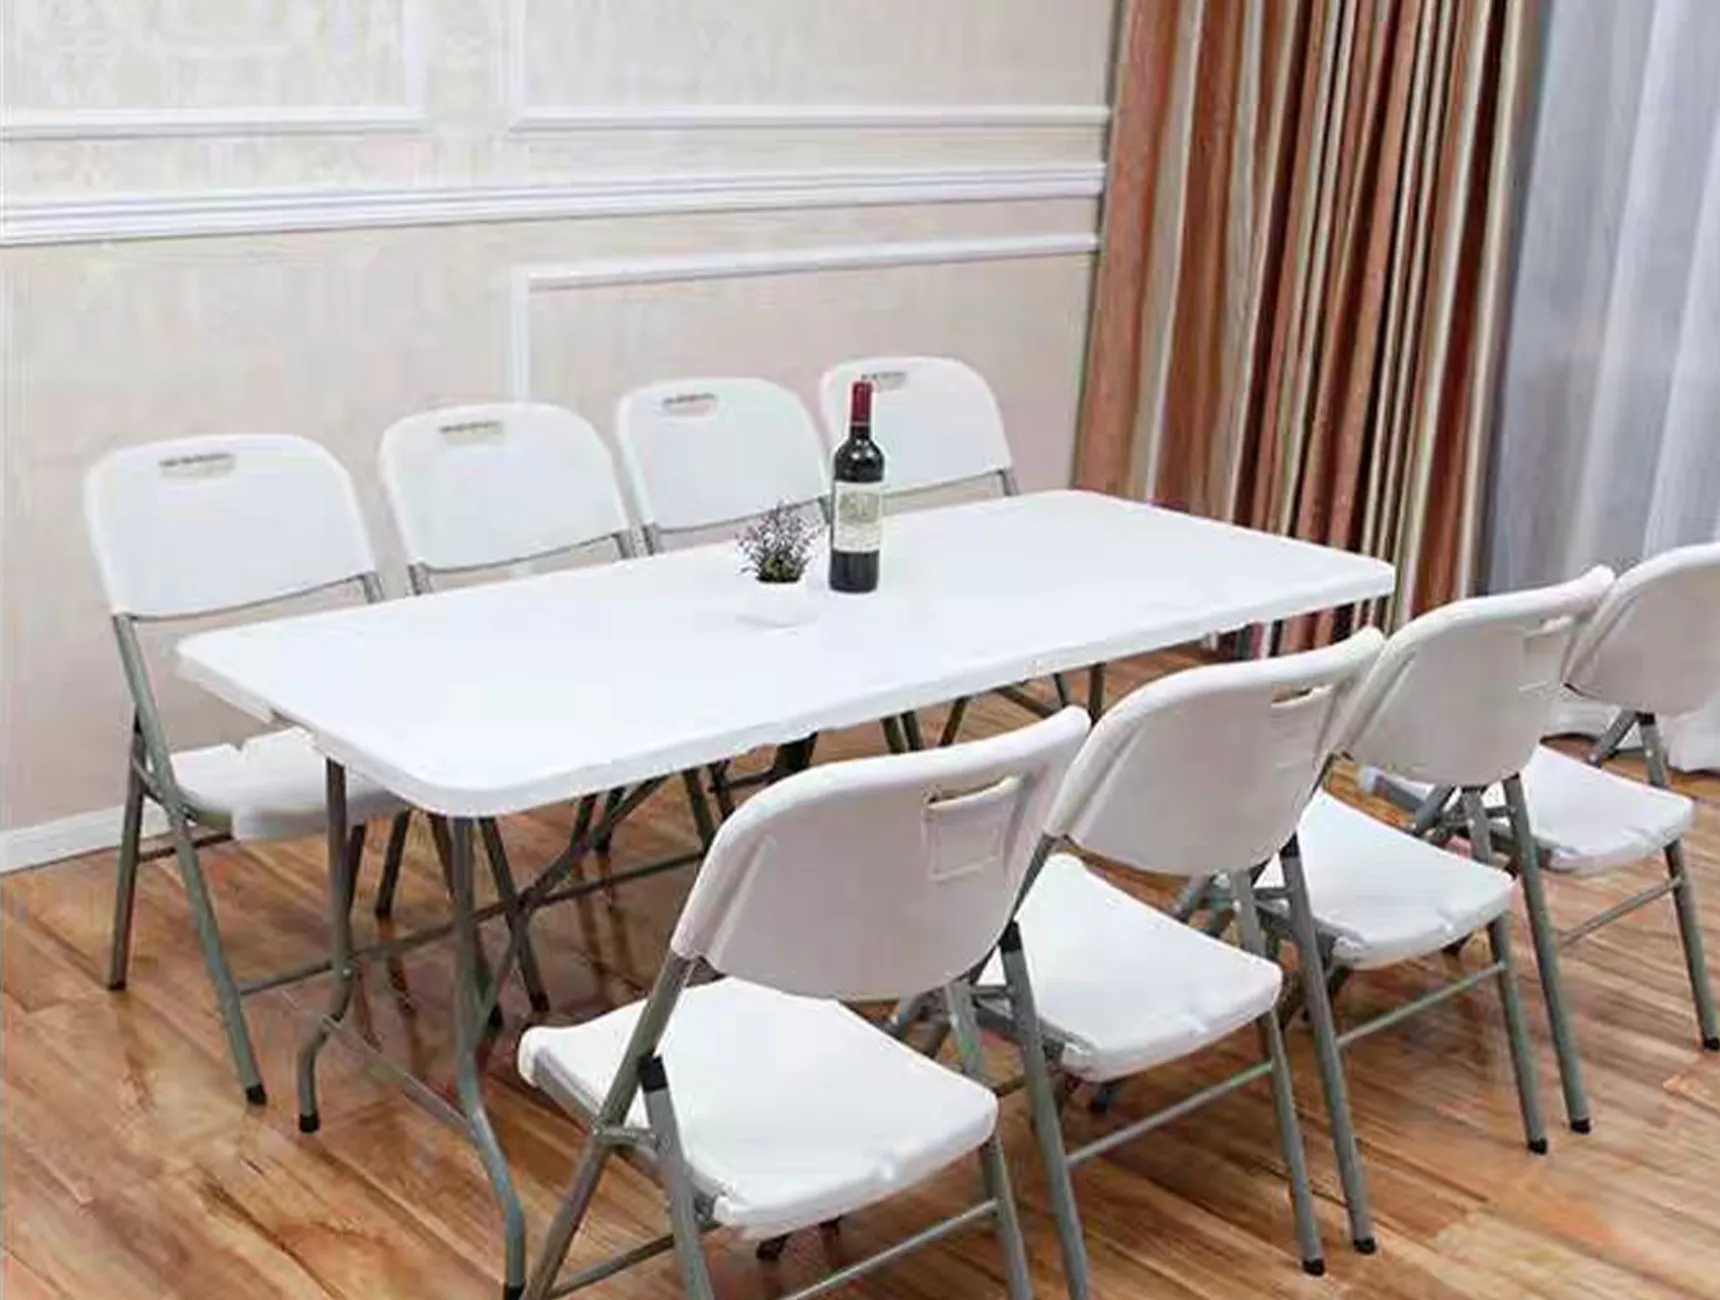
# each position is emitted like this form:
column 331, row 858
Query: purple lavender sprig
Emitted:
column 777, row 546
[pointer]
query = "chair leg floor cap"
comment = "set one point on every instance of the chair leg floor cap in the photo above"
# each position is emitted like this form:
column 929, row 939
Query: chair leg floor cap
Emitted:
column 1582, row 1126
column 256, row 1095
column 1539, row 1146
column 1708, row 1044
column 309, row 1123
column 1366, row 1245
column 1314, row 1267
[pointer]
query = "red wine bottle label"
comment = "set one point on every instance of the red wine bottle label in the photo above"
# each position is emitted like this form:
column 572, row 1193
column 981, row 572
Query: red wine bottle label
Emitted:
column 859, row 511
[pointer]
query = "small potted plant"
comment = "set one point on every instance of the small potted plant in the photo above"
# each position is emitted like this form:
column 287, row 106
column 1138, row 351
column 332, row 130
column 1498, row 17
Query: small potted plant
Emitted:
column 775, row 550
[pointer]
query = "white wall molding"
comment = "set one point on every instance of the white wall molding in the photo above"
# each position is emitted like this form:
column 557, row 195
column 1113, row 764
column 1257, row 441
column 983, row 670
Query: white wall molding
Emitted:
column 526, row 117
column 83, row 219
column 528, row 281
column 149, row 123
column 172, row 123
column 70, row 837
column 550, row 118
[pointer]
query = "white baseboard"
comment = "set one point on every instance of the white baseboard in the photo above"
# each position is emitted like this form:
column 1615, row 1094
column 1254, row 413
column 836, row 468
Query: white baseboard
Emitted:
column 70, row 837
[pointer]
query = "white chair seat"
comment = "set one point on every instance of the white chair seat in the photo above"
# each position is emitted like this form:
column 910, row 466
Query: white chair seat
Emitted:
column 792, row 1110
column 1587, row 820
column 1383, row 895
column 1125, row 986
column 272, row 787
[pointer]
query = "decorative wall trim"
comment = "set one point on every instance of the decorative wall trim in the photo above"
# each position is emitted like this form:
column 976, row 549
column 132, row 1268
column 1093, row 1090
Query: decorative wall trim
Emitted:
column 528, row 118
column 412, row 114
column 542, row 118
column 529, row 280
column 94, row 218
column 171, row 123
column 70, row 837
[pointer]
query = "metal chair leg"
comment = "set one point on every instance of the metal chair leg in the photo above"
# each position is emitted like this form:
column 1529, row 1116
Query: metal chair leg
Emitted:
column 1546, row 939
column 519, row 922
column 893, row 738
column 911, row 731
column 995, row 1170
column 558, row 1240
column 611, row 802
column 125, row 884
column 992, row 1164
column 1683, row 896
column 953, row 723
column 721, row 788
column 1332, row 1081
column 215, row 959
column 1192, row 898
column 1517, row 1032
column 392, row 859
column 1096, row 691
column 677, row 1182
column 1047, row 1128
column 1308, row 1242
column 703, row 823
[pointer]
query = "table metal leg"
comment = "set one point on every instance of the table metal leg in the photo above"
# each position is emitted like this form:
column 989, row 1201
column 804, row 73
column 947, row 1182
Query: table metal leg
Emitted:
column 341, row 873
column 468, row 1035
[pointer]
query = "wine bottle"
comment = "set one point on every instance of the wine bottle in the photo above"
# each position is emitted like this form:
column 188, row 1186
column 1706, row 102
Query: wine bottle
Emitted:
column 857, row 504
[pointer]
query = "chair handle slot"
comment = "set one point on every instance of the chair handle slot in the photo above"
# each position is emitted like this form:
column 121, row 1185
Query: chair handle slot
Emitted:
column 204, row 464
column 686, row 406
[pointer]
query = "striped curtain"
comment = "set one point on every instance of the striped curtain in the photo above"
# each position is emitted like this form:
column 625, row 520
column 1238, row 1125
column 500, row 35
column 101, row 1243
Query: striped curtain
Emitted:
column 1300, row 295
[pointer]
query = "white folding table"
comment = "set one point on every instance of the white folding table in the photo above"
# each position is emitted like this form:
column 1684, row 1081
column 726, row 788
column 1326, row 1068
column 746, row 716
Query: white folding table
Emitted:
column 501, row 698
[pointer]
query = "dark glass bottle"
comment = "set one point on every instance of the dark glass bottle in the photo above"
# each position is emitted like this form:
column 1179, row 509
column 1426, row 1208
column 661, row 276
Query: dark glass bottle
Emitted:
column 857, row 503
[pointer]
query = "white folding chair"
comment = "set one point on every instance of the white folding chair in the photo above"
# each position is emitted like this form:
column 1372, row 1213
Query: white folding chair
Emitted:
column 478, row 487
column 1456, row 697
column 940, row 426
column 203, row 526
column 1200, row 774
column 768, row 1106
column 1652, row 650
column 704, row 454
column 709, row 453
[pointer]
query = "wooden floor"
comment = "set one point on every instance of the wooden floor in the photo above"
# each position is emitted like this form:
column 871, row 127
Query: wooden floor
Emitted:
column 133, row 1169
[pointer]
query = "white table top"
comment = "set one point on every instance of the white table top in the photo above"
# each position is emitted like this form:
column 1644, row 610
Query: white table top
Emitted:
column 512, row 695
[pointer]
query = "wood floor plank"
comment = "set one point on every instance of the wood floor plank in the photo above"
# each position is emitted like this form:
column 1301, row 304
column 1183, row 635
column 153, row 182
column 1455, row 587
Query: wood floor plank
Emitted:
column 132, row 1168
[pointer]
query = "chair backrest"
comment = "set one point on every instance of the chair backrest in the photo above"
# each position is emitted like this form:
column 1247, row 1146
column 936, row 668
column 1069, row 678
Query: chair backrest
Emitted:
column 881, row 877
column 1207, row 771
column 1654, row 643
column 201, row 525
column 700, row 453
column 1462, row 695
column 498, row 483
column 935, row 418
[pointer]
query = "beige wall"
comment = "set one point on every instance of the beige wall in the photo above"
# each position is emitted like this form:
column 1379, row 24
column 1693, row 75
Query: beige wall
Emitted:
column 304, row 215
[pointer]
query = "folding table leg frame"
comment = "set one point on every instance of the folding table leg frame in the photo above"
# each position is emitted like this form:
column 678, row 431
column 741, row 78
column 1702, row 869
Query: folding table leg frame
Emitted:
column 469, row 1115
column 659, row 1147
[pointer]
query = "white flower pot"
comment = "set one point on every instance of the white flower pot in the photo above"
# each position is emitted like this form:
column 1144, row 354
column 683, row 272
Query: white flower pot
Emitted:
column 778, row 604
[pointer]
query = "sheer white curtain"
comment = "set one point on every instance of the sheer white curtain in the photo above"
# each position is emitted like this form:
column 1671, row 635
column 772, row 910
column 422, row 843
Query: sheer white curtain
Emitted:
column 1610, row 437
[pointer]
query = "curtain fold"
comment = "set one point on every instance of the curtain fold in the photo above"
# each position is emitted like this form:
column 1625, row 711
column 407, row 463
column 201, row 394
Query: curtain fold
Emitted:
column 1305, row 244
column 1609, row 447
